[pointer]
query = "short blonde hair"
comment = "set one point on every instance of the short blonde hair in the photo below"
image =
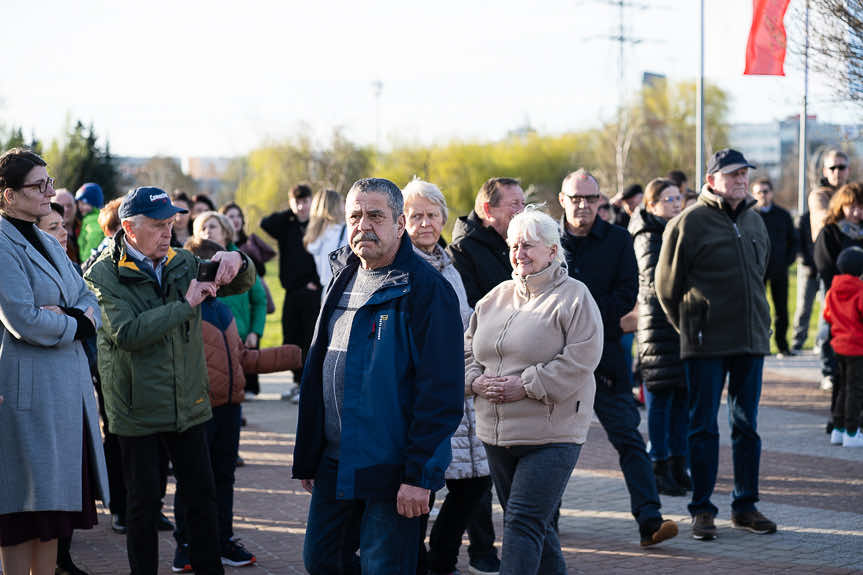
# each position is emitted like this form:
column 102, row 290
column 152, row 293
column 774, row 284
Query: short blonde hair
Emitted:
column 536, row 225
column 418, row 188
column 224, row 222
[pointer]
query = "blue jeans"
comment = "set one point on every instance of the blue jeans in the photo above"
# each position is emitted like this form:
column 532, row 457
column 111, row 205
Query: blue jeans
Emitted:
column 667, row 422
column 706, row 380
column 619, row 417
column 530, row 481
column 337, row 528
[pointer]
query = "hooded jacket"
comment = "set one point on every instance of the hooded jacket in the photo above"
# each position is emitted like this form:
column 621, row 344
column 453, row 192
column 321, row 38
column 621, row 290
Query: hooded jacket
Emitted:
column 545, row 328
column 404, row 382
column 228, row 359
column 710, row 278
column 151, row 354
column 843, row 310
column 658, row 343
column 480, row 255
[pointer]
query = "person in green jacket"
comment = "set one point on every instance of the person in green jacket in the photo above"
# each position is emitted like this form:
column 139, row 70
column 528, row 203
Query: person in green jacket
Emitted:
column 90, row 200
column 154, row 376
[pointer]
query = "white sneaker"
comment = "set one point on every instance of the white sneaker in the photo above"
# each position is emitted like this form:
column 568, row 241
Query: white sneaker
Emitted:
column 827, row 383
column 836, row 436
column 855, row 440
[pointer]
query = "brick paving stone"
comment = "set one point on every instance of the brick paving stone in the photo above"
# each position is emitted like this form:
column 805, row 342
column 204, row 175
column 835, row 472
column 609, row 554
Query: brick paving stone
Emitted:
column 813, row 491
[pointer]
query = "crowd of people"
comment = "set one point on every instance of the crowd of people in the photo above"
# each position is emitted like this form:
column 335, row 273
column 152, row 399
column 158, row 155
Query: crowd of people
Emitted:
column 476, row 365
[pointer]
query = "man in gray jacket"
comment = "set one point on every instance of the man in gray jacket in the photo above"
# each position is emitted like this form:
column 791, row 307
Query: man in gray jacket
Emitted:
column 709, row 280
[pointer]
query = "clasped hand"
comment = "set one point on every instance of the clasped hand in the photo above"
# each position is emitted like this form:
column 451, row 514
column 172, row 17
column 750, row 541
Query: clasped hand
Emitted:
column 499, row 389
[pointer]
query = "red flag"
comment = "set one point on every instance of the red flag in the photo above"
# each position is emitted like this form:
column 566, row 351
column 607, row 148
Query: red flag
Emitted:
column 765, row 50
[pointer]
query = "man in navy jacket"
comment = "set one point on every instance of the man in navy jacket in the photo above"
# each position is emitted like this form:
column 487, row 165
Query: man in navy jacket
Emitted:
column 601, row 256
column 382, row 392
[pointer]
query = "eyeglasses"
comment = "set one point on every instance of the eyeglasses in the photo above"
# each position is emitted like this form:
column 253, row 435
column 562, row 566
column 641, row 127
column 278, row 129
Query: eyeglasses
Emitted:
column 589, row 198
column 840, row 167
column 41, row 185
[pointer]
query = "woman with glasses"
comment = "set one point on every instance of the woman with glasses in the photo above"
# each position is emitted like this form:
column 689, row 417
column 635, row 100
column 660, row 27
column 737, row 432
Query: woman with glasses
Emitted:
column 662, row 370
column 843, row 228
column 50, row 443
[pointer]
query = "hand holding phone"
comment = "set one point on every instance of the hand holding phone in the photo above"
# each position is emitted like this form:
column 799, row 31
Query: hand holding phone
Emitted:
column 207, row 271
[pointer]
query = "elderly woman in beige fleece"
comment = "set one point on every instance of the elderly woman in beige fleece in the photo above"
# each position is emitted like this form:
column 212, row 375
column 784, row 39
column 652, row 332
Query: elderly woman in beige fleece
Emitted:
column 530, row 351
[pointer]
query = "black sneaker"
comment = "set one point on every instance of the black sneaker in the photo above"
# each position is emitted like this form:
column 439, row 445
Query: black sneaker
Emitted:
column 118, row 524
column 68, row 568
column 163, row 523
column 703, row 527
column 485, row 565
column 181, row 563
column 235, row 555
column 753, row 521
column 656, row 531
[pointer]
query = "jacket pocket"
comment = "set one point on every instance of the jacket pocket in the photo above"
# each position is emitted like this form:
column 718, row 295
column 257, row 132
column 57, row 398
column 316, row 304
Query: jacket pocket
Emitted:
column 25, row 384
column 694, row 312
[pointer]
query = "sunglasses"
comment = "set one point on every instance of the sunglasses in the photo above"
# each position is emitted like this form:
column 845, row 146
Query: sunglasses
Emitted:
column 840, row 167
column 589, row 198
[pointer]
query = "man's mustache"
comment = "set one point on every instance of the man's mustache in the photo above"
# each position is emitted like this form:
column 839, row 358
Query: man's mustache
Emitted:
column 367, row 236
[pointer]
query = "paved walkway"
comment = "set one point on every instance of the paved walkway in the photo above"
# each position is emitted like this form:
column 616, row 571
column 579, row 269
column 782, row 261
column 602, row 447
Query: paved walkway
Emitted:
column 812, row 490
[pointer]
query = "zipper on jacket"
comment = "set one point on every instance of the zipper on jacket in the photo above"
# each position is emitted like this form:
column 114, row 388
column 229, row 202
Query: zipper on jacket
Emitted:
column 230, row 367
column 499, row 365
column 742, row 257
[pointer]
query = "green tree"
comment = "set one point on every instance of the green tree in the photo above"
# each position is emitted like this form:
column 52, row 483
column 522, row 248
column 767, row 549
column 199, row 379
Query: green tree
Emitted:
column 14, row 138
column 77, row 158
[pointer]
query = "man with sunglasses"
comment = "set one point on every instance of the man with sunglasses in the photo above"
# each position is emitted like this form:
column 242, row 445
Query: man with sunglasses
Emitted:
column 834, row 176
column 601, row 255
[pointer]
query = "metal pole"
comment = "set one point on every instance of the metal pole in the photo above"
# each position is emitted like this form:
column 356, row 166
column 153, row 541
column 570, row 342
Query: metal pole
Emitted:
column 801, row 145
column 699, row 107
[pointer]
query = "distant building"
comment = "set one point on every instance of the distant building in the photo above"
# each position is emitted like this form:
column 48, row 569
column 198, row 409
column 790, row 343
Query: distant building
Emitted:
column 772, row 146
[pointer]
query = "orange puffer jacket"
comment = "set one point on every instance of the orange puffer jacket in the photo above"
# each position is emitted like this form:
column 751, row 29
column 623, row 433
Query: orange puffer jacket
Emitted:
column 228, row 359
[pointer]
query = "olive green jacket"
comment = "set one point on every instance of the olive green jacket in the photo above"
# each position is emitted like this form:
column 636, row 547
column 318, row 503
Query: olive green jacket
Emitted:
column 710, row 279
column 151, row 354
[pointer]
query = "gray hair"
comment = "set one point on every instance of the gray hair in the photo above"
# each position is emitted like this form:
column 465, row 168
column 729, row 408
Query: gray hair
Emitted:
column 537, row 226
column 382, row 186
column 418, row 188
column 135, row 220
column 579, row 174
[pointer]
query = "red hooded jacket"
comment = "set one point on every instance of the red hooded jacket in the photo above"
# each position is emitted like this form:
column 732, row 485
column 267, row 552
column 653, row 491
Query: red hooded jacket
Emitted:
column 843, row 310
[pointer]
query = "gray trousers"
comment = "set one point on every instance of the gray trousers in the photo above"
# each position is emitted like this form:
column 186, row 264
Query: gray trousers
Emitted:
column 807, row 289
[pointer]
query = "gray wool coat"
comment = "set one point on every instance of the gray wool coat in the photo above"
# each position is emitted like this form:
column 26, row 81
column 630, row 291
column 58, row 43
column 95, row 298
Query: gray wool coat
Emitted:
column 45, row 381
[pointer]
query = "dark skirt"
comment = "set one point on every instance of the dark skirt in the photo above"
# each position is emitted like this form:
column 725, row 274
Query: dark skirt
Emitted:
column 16, row 528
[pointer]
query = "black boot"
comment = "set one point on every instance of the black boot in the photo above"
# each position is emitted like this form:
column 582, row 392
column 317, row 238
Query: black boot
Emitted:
column 679, row 472
column 665, row 483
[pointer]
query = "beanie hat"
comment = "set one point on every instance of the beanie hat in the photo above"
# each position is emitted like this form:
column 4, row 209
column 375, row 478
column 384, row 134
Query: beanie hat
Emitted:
column 631, row 191
column 850, row 261
column 92, row 194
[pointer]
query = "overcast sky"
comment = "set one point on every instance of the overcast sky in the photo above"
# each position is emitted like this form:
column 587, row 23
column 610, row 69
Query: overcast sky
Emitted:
column 194, row 78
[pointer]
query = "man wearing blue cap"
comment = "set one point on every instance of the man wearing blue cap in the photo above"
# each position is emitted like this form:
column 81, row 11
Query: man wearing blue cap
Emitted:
column 154, row 375
column 710, row 282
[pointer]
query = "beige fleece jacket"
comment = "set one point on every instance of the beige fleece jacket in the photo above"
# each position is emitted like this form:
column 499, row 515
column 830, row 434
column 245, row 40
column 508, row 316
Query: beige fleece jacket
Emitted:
column 546, row 328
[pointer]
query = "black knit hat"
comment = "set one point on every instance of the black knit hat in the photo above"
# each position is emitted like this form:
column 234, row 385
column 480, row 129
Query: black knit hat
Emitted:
column 631, row 191
column 850, row 261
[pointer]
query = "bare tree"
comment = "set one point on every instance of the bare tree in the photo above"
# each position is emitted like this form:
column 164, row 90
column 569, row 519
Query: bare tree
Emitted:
column 836, row 44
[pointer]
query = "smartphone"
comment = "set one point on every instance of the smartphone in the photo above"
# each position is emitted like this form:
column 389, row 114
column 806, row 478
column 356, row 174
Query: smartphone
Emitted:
column 207, row 271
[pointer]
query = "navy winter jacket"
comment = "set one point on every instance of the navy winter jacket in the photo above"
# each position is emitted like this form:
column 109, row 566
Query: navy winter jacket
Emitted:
column 404, row 382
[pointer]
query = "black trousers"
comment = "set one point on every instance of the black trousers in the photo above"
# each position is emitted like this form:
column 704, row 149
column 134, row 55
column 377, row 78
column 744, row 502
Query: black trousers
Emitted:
column 463, row 509
column 188, row 451
column 779, row 292
column 299, row 314
column 849, row 393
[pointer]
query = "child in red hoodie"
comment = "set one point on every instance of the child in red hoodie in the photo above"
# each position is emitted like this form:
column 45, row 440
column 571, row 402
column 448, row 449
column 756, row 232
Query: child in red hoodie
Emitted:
column 843, row 310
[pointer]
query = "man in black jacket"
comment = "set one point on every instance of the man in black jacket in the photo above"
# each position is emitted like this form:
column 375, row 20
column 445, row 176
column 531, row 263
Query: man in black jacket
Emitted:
column 297, row 271
column 780, row 229
column 480, row 254
column 478, row 249
column 601, row 256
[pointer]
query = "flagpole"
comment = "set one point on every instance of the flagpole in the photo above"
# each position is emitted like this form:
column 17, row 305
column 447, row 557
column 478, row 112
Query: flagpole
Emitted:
column 699, row 107
column 801, row 146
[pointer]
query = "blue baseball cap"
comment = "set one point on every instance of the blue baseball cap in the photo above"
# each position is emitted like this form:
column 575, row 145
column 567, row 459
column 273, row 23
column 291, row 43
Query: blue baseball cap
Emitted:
column 149, row 201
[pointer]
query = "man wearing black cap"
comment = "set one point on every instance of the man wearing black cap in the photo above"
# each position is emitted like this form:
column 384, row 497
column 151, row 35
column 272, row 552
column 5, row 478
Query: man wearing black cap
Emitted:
column 151, row 357
column 709, row 280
